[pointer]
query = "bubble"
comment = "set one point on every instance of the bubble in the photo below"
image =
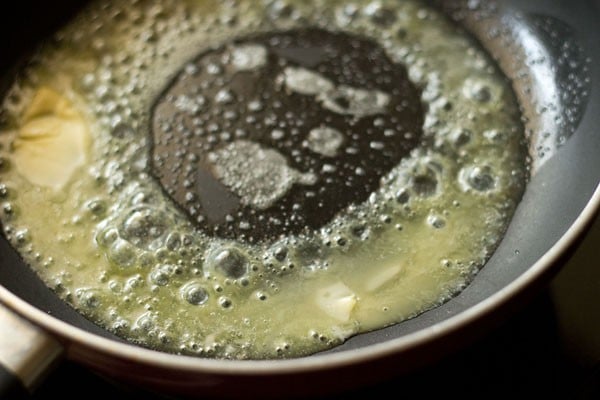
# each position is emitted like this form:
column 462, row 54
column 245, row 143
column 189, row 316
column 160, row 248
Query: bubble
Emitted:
column 255, row 105
column 4, row 191
column 194, row 293
column 173, row 241
column 494, row 135
column 277, row 134
column 280, row 252
column 114, row 286
column 8, row 209
column 162, row 273
column 341, row 241
column 122, row 253
column 477, row 90
column 261, row 296
column 425, row 184
column 96, row 207
column 192, row 105
column 461, row 137
column 379, row 14
column 229, row 262
column 191, row 69
column 145, row 322
column 122, row 131
column 133, row 282
column 279, row 9
column 143, row 226
column 436, row 221
column 360, row 231
column 120, row 326
column 224, row 96
column 310, row 254
column 88, row 298
column 402, row 196
column 22, row 236
column 479, row 178
column 376, row 145
column 225, row 302
column 214, row 69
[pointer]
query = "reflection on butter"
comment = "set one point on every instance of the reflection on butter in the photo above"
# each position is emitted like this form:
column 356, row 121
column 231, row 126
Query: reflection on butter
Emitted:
column 382, row 277
column 51, row 142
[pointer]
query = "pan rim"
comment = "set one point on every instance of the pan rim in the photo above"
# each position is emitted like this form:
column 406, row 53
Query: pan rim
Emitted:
column 317, row 362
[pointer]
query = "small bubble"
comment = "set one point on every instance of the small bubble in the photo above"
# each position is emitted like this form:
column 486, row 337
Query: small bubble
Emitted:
column 145, row 322
column 261, row 296
column 194, row 293
column 277, row 134
column 380, row 15
column 143, row 226
column 173, row 241
column 122, row 131
column 425, row 185
column 460, row 137
column 229, row 262
column 255, row 106
column 377, row 145
column 122, row 253
column 97, row 207
column 280, row 9
column 162, row 274
column 8, row 209
column 214, row 69
column 4, row 191
column 191, row 69
column 225, row 302
column 224, row 96
column 477, row 91
column 88, row 298
column 476, row 177
column 436, row 221
column 386, row 219
column 22, row 237
column 402, row 196
column 280, row 253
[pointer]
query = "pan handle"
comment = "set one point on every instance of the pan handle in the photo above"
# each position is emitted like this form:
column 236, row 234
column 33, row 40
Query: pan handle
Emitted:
column 27, row 354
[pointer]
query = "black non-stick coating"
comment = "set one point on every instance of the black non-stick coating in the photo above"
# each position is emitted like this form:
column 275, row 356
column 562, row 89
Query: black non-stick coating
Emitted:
column 553, row 200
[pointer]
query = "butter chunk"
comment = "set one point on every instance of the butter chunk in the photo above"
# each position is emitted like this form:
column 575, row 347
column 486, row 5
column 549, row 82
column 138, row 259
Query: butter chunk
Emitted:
column 51, row 142
column 337, row 300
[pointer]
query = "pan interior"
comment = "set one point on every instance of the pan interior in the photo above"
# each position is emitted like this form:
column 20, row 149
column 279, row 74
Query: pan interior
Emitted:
column 488, row 284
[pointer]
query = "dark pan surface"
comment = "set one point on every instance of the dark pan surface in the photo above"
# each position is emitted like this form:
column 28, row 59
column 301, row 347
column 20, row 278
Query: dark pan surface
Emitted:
column 555, row 197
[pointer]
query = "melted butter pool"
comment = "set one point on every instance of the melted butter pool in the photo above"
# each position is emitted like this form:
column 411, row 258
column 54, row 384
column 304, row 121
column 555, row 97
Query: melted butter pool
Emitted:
column 107, row 237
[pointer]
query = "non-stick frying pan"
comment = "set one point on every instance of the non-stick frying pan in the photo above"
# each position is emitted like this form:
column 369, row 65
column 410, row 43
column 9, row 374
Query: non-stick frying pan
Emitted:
column 549, row 48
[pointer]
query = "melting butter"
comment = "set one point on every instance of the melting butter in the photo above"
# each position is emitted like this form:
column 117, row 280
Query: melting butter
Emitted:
column 116, row 248
column 52, row 141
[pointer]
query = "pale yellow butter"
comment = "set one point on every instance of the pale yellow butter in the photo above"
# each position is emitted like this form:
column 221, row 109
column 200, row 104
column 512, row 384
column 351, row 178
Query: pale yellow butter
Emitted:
column 337, row 301
column 52, row 141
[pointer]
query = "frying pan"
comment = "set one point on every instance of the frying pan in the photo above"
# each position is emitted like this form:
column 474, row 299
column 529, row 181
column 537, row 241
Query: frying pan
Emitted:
column 549, row 49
